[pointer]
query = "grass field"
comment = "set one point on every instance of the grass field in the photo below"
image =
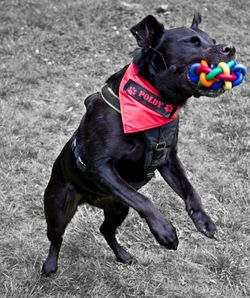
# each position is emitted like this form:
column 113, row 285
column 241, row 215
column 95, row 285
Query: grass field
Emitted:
column 53, row 54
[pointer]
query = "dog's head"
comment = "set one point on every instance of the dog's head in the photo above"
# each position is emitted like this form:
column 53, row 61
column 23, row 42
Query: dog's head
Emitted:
column 166, row 55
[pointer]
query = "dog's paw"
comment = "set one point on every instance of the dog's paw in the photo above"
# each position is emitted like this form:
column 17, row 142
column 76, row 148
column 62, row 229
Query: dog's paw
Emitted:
column 124, row 257
column 48, row 269
column 165, row 234
column 203, row 223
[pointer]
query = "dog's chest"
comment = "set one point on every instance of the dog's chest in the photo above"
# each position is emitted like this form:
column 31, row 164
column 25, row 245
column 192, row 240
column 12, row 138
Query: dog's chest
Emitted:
column 149, row 154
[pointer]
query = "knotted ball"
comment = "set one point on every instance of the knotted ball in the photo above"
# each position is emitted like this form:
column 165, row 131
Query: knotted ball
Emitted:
column 224, row 75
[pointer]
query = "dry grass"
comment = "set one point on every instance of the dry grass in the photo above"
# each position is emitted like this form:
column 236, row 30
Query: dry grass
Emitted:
column 53, row 53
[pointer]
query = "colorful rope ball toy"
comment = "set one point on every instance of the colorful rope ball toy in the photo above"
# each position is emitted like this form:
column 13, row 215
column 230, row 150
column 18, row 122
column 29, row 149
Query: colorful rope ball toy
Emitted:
column 224, row 75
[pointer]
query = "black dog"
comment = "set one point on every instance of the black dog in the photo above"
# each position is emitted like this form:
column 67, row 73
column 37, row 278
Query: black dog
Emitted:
column 103, row 166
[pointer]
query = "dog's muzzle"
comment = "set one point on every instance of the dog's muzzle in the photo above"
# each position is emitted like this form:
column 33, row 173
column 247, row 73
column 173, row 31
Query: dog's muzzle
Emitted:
column 201, row 91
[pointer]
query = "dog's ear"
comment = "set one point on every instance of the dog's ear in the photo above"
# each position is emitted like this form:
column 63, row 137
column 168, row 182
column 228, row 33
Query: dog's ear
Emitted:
column 196, row 20
column 147, row 32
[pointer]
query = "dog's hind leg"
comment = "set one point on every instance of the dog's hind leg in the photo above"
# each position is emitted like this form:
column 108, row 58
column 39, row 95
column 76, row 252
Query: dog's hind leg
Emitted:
column 115, row 213
column 60, row 202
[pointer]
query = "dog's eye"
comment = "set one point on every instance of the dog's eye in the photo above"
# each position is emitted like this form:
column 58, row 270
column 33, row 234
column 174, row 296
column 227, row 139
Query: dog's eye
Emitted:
column 195, row 40
column 214, row 41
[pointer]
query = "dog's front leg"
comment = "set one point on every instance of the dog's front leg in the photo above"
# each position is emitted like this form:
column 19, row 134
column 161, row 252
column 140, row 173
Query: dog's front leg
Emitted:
column 106, row 176
column 174, row 175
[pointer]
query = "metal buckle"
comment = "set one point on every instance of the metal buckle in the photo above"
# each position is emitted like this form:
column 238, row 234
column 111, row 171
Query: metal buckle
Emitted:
column 150, row 175
column 160, row 146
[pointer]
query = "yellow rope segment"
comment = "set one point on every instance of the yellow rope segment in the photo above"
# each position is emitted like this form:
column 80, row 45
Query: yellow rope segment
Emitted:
column 226, row 70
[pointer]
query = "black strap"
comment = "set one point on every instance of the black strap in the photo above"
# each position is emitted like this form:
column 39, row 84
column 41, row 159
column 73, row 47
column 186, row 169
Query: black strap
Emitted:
column 156, row 150
column 79, row 162
column 158, row 140
column 110, row 98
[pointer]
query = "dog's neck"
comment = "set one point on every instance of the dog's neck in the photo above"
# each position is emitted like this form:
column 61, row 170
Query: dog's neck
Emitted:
column 164, row 80
column 170, row 95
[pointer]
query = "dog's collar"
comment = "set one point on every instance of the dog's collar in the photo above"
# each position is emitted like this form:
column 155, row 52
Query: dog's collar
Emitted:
column 139, row 103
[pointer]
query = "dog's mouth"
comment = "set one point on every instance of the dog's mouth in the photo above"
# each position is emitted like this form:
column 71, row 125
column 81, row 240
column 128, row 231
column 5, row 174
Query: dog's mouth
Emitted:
column 203, row 91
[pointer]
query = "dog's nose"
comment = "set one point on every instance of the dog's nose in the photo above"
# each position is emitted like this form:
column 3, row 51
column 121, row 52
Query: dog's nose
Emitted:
column 228, row 49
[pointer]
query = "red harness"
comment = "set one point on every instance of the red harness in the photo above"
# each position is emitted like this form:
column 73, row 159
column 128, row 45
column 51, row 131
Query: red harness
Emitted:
column 141, row 105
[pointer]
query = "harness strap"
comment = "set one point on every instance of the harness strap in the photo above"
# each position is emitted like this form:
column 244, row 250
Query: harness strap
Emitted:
column 110, row 98
column 156, row 141
column 156, row 147
column 79, row 162
column 157, row 150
